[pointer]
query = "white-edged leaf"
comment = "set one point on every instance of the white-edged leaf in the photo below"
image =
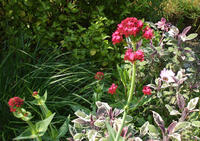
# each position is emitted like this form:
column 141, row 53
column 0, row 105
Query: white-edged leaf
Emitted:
column 137, row 139
column 99, row 123
column 169, row 108
column 192, row 104
column 144, row 129
column 175, row 112
column 80, row 114
column 159, row 121
column 91, row 134
column 175, row 136
column 153, row 131
column 79, row 136
column 181, row 126
column 191, row 36
column 196, row 123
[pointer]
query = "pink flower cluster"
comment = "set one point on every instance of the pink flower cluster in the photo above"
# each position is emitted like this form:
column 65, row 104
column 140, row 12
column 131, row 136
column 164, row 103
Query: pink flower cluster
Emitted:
column 99, row 75
column 146, row 90
column 15, row 103
column 133, row 56
column 130, row 26
column 112, row 89
column 148, row 33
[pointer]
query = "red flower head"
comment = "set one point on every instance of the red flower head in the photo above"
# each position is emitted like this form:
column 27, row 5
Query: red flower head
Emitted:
column 133, row 56
column 129, row 26
column 35, row 93
column 146, row 90
column 99, row 75
column 116, row 37
column 139, row 24
column 139, row 55
column 148, row 33
column 15, row 103
column 112, row 89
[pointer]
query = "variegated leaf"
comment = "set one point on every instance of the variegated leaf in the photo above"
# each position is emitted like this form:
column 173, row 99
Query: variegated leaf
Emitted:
column 144, row 129
column 159, row 121
column 192, row 104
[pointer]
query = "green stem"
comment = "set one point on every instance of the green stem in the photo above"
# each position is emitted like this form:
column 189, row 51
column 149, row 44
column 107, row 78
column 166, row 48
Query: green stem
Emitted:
column 126, row 108
column 34, row 130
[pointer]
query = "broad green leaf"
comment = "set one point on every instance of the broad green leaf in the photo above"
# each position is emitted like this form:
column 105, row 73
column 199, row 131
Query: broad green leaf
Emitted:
column 64, row 128
column 93, row 52
column 192, row 104
column 42, row 126
column 191, row 36
column 181, row 126
column 27, row 134
column 196, row 123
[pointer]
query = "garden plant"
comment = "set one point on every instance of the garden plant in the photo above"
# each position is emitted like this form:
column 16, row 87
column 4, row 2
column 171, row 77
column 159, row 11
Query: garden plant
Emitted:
column 154, row 96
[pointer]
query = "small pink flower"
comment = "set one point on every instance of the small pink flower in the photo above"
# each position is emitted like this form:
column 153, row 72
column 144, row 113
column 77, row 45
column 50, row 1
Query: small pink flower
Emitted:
column 35, row 93
column 99, row 75
column 146, row 90
column 148, row 33
column 112, row 89
column 15, row 103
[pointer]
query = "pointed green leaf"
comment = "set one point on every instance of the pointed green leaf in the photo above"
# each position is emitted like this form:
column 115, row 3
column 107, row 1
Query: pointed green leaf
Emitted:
column 111, row 131
column 64, row 128
column 27, row 134
column 42, row 126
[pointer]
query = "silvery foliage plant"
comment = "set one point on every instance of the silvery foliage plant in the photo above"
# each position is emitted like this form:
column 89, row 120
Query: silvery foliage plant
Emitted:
column 102, row 126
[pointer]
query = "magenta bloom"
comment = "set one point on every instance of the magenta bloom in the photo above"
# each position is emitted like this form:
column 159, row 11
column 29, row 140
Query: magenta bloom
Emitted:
column 99, row 75
column 15, row 103
column 139, row 55
column 112, row 89
column 129, row 55
column 127, row 27
column 146, row 90
column 148, row 33
column 116, row 37
column 133, row 56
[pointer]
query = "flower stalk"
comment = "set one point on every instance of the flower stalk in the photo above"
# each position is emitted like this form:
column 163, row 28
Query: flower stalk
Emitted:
column 126, row 107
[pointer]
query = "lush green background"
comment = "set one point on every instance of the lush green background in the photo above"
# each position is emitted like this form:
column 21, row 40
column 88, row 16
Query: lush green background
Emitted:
column 59, row 45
